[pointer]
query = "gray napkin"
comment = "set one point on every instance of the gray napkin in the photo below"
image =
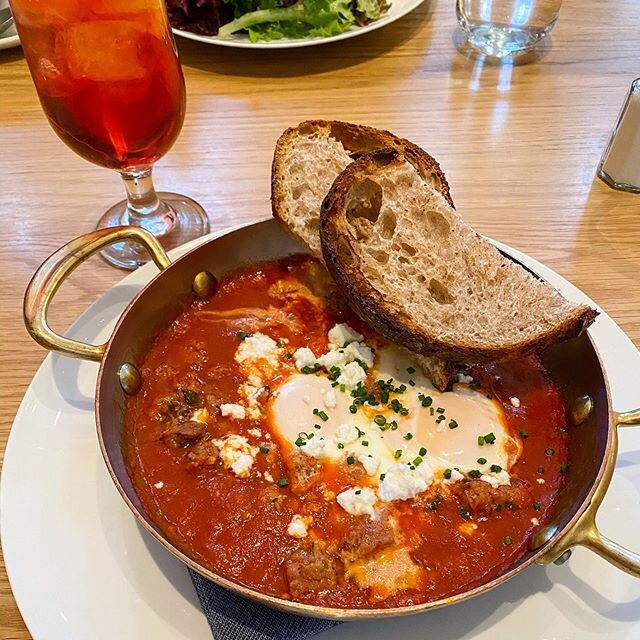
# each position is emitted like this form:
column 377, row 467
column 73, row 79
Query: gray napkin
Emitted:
column 232, row 617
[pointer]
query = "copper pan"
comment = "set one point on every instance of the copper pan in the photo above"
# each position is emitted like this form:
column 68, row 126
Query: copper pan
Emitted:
column 575, row 366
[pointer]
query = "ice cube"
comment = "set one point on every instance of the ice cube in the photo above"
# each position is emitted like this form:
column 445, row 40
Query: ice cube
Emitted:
column 45, row 13
column 113, row 7
column 103, row 50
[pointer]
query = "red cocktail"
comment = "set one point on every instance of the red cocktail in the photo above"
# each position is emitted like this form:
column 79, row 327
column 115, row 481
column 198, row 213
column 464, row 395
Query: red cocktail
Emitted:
column 110, row 83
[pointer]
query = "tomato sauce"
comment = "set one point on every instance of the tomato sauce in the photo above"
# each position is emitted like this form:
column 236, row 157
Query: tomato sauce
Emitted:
column 237, row 526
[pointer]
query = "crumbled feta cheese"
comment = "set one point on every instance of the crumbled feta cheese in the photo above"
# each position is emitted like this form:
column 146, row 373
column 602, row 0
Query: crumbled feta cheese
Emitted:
column 251, row 391
column 535, row 522
column 330, row 399
column 304, row 357
column 347, row 433
column 200, row 415
column 258, row 347
column 370, row 463
column 496, row 479
column 334, row 358
column 401, row 482
column 357, row 501
column 236, row 411
column 306, row 399
column 256, row 433
column 298, row 527
column 540, row 480
column 159, row 485
column 313, row 447
column 351, row 375
column 267, row 476
column 456, row 476
column 360, row 351
column 236, row 454
column 342, row 334
column 515, row 402
column 463, row 378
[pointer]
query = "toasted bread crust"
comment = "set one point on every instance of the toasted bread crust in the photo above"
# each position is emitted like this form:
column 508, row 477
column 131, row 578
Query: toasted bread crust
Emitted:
column 384, row 316
column 357, row 140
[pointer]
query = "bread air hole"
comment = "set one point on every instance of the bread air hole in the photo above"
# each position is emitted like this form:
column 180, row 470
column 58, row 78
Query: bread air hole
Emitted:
column 381, row 256
column 364, row 202
column 439, row 292
column 408, row 249
column 439, row 223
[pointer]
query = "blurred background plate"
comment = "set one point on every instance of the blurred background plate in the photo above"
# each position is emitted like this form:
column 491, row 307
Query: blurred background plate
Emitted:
column 399, row 8
column 8, row 38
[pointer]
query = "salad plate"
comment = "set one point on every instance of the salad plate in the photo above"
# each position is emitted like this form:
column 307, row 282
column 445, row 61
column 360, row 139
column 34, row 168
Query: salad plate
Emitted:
column 397, row 10
column 75, row 556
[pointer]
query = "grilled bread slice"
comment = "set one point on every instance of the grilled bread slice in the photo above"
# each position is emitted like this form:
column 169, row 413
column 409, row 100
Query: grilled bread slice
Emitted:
column 306, row 161
column 419, row 275
column 309, row 157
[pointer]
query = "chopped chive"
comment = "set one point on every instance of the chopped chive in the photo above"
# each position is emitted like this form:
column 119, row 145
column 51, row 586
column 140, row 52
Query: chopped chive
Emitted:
column 490, row 438
column 365, row 443
column 393, row 425
column 382, row 475
column 412, row 383
column 350, row 460
column 447, row 474
column 540, row 469
column 353, row 408
column 453, row 424
column 536, row 506
column 397, row 453
column 264, row 449
column 358, row 492
column 401, row 389
column 417, row 461
column 481, row 461
column 404, row 411
column 422, row 452
column 426, row 401
column 431, row 411
column 410, row 370
column 549, row 452
column 283, row 482
column 496, row 468
column 300, row 442
column 343, row 388
column 380, row 420
column 507, row 540
column 384, row 397
column 287, row 356
column 564, row 468
column 317, row 426
column 340, row 445
column 439, row 410
column 323, row 416
column 408, row 436
column 310, row 368
column 464, row 513
column 481, row 441
column 242, row 335
column 440, row 419
column 524, row 435
column 474, row 473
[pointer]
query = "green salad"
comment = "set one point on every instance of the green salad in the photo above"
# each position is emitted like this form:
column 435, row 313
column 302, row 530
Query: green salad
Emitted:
column 275, row 19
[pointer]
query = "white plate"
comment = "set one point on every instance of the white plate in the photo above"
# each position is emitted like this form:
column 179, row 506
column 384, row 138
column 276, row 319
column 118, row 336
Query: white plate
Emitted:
column 81, row 568
column 398, row 9
column 8, row 38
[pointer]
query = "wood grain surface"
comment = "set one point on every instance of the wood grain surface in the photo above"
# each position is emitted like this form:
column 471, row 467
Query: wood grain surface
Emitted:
column 519, row 144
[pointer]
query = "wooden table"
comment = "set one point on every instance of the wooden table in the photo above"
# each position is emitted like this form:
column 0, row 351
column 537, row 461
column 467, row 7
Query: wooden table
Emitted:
column 519, row 144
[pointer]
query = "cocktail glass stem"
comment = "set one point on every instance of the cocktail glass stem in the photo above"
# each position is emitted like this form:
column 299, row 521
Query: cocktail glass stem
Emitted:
column 172, row 218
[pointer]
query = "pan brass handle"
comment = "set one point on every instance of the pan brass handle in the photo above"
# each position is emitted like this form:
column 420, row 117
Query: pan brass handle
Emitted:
column 585, row 531
column 55, row 270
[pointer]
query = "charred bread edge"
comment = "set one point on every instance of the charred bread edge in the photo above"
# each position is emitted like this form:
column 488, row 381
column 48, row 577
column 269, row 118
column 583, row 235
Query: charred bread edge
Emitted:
column 382, row 315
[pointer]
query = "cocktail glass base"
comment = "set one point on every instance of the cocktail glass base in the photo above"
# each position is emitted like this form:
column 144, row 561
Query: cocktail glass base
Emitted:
column 177, row 220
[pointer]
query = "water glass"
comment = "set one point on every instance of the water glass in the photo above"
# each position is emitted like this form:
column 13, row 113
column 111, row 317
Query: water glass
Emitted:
column 503, row 28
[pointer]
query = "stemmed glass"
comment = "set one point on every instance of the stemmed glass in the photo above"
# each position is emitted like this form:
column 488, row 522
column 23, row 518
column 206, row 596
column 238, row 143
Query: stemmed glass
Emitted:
column 110, row 83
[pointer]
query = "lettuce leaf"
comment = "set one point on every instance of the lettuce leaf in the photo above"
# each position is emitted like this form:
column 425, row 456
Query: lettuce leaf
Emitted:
column 271, row 21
